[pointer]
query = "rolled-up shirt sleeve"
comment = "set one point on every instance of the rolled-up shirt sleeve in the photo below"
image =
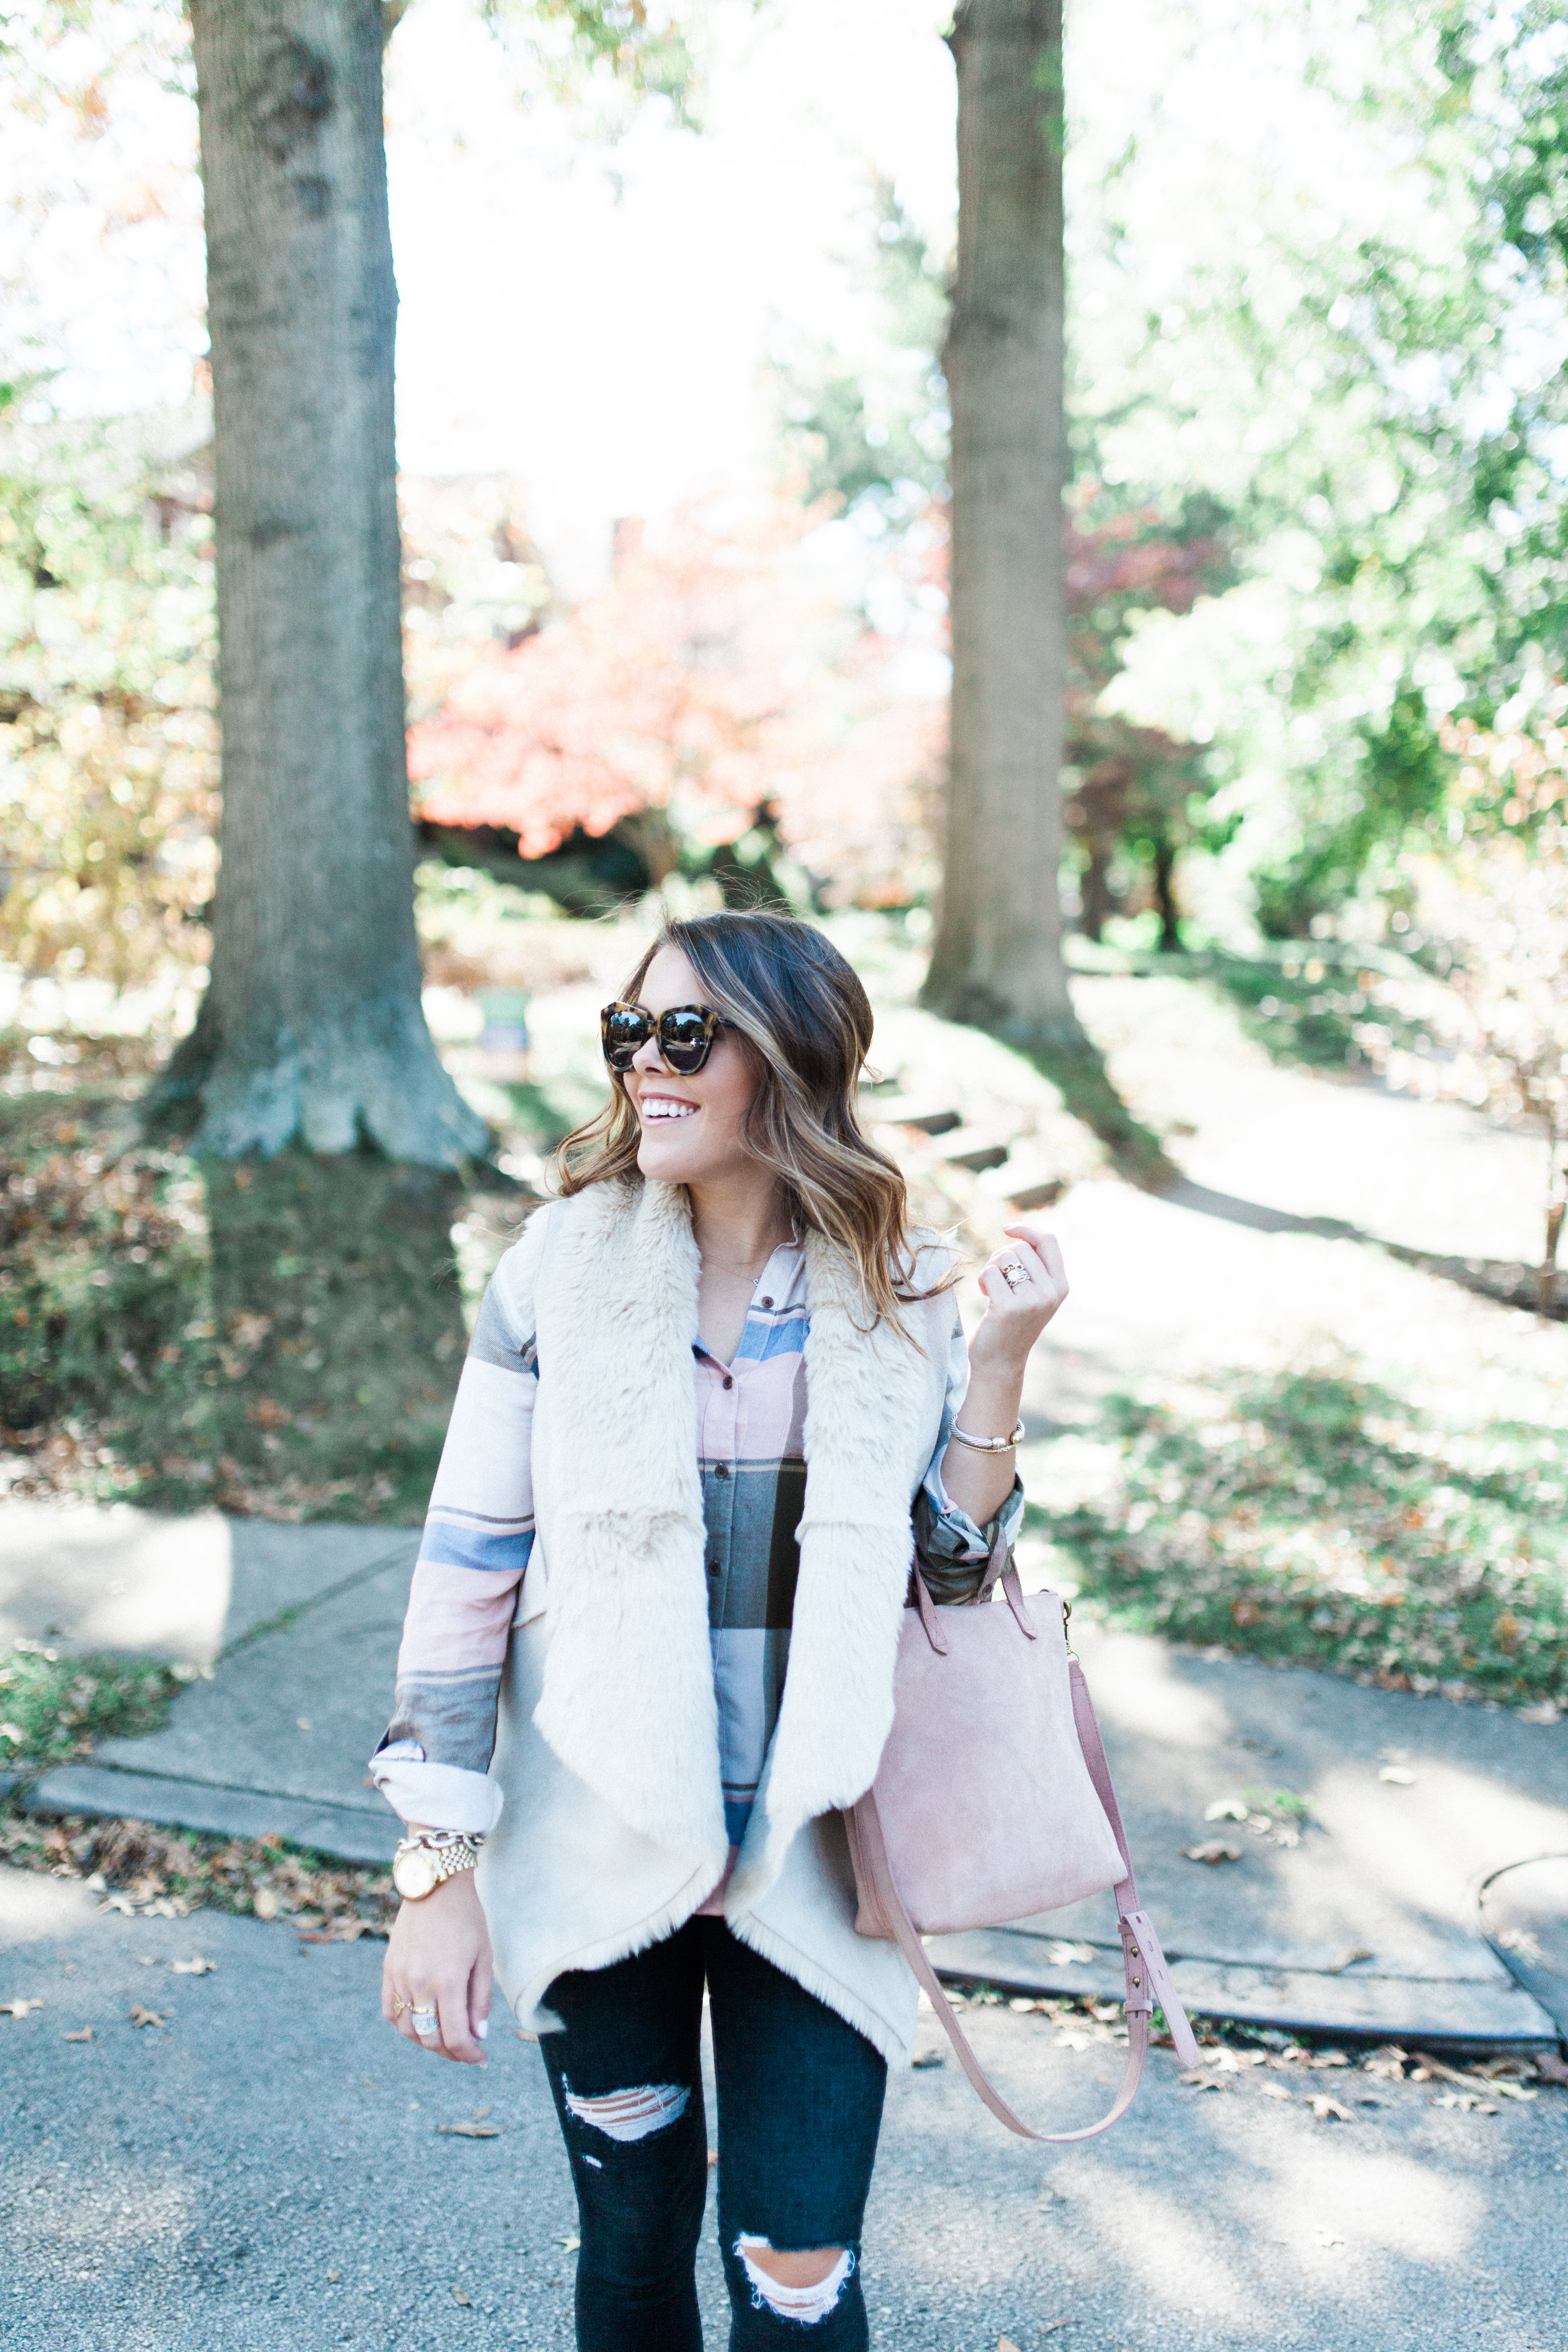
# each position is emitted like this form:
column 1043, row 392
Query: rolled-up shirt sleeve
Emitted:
column 952, row 1549
column 433, row 1765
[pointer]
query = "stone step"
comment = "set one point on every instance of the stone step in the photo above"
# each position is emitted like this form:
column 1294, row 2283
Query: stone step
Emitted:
column 926, row 1119
column 976, row 1153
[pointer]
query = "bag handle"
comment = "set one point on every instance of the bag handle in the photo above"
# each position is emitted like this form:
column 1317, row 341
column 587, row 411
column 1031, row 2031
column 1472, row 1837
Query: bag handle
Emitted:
column 1147, row 1973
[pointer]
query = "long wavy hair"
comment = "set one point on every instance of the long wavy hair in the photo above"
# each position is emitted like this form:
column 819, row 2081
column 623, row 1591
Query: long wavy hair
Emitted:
column 804, row 1022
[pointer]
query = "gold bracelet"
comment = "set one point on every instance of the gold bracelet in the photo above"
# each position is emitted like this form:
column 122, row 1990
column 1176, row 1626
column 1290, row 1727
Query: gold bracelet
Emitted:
column 986, row 1444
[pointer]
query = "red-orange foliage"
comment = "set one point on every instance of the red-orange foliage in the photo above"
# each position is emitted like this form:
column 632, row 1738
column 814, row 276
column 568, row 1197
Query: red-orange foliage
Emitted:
column 719, row 669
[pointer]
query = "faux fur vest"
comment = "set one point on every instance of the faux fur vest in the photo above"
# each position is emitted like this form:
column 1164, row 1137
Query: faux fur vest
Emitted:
column 627, row 1701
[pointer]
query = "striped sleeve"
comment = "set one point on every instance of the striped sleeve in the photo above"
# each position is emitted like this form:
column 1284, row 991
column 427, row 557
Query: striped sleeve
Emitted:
column 433, row 1763
column 952, row 1549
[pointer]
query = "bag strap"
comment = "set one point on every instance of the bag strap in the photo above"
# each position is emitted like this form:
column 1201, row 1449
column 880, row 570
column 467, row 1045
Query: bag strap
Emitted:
column 1147, row 1973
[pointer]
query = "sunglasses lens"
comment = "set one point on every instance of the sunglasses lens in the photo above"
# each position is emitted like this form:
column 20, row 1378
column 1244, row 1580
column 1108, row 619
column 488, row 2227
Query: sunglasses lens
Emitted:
column 625, row 1030
column 685, row 1039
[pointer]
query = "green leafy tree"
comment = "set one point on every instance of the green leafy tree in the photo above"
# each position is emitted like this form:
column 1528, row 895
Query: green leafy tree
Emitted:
column 1345, row 327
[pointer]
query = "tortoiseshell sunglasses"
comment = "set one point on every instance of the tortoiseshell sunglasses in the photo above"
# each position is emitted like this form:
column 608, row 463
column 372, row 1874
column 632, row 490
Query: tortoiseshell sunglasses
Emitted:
column 685, row 1035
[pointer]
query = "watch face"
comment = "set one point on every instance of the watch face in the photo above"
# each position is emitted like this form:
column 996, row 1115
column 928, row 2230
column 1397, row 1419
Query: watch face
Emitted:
column 416, row 1873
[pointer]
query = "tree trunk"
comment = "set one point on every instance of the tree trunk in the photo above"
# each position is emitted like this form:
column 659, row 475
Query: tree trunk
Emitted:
column 311, row 1027
column 1165, row 899
column 998, row 956
column 1099, row 901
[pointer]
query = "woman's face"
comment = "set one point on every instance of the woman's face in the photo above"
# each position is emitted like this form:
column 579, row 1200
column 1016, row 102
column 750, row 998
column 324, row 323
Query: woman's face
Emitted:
column 690, row 1126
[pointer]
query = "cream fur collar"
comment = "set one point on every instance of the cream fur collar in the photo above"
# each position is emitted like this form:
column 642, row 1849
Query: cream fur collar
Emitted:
column 627, row 1702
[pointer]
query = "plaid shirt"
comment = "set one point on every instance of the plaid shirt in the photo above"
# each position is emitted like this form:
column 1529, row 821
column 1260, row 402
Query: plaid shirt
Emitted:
column 480, row 1532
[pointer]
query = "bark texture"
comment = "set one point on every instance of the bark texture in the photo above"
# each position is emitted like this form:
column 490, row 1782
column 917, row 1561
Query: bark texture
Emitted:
column 311, row 1027
column 998, row 955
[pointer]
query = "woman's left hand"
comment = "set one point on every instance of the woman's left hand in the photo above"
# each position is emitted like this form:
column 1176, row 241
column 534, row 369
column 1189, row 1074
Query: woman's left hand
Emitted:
column 1025, row 1282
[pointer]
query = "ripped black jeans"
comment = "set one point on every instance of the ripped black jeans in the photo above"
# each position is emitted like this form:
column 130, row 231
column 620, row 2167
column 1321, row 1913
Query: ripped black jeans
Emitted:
column 800, row 2107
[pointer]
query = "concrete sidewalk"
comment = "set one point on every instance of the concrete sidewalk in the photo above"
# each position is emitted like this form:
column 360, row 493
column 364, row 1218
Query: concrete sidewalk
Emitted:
column 265, row 2172
column 1363, row 1925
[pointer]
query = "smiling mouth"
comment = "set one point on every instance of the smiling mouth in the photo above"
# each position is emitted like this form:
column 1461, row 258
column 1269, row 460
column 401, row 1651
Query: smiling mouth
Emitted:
column 654, row 1107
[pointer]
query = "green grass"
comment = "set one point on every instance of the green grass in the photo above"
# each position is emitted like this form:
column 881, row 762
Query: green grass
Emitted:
column 281, row 1336
column 1086, row 1090
column 1314, row 1517
column 53, row 1707
column 1302, row 1001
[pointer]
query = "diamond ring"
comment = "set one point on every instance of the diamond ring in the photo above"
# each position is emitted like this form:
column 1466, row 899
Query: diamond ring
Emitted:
column 1014, row 1275
column 425, row 2022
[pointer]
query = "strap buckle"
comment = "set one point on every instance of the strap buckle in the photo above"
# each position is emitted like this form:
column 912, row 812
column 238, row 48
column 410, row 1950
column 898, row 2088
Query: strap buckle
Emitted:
column 1140, row 1991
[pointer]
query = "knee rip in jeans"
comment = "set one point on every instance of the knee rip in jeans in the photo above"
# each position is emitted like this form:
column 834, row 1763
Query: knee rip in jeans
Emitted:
column 805, row 2303
column 631, row 2115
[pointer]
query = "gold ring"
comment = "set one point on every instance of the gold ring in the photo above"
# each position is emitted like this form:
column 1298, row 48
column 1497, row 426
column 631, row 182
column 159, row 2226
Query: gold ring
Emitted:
column 399, row 2005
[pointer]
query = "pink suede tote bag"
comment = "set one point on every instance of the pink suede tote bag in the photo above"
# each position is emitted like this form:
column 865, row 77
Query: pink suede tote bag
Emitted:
column 992, row 1801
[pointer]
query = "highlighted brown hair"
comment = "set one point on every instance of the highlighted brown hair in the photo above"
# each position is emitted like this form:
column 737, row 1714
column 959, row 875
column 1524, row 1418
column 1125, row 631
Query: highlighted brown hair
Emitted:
column 798, row 1010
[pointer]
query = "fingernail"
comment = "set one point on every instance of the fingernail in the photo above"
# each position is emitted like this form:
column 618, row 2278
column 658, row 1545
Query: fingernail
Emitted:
column 482, row 2030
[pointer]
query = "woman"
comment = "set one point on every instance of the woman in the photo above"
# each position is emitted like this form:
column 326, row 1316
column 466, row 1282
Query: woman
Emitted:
column 714, row 1394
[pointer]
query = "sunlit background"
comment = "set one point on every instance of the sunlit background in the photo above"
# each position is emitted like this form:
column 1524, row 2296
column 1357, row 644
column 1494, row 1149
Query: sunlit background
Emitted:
column 673, row 442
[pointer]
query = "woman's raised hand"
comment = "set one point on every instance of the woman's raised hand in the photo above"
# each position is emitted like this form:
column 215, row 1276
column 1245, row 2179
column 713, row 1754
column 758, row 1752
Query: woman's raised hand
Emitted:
column 1025, row 1282
column 437, row 1972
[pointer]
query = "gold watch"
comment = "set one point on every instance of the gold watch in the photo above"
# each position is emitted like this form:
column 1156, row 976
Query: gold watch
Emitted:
column 421, row 1863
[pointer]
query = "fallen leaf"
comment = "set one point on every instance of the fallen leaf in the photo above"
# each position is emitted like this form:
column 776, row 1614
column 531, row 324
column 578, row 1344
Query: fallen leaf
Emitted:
column 523, row 2036
column 1212, row 1850
column 460, row 2295
column 472, row 2129
column 266, row 1903
column 1431, row 2066
column 1514, row 2090
column 1273, row 2090
column 1328, row 2111
column 18, row 2008
column 1052, row 2325
column 928, row 2058
column 140, row 2016
column 1398, row 1776
column 334, row 2278
column 198, row 1964
column 1198, row 2081
column 85, row 2035
column 1468, row 2102
column 1352, row 1956
column 304, row 1723
column 1551, row 2067
column 1387, row 2063
column 570, row 2244
column 1227, row 1808
column 1006, row 2343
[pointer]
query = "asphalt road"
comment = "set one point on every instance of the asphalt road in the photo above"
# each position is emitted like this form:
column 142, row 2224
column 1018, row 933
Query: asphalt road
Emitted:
column 264, row 2173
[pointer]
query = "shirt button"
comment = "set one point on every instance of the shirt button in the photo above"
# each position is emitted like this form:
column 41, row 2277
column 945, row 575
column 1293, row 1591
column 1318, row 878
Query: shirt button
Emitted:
column 765, row 1302
column 721, row 1470
column 728, row 1381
